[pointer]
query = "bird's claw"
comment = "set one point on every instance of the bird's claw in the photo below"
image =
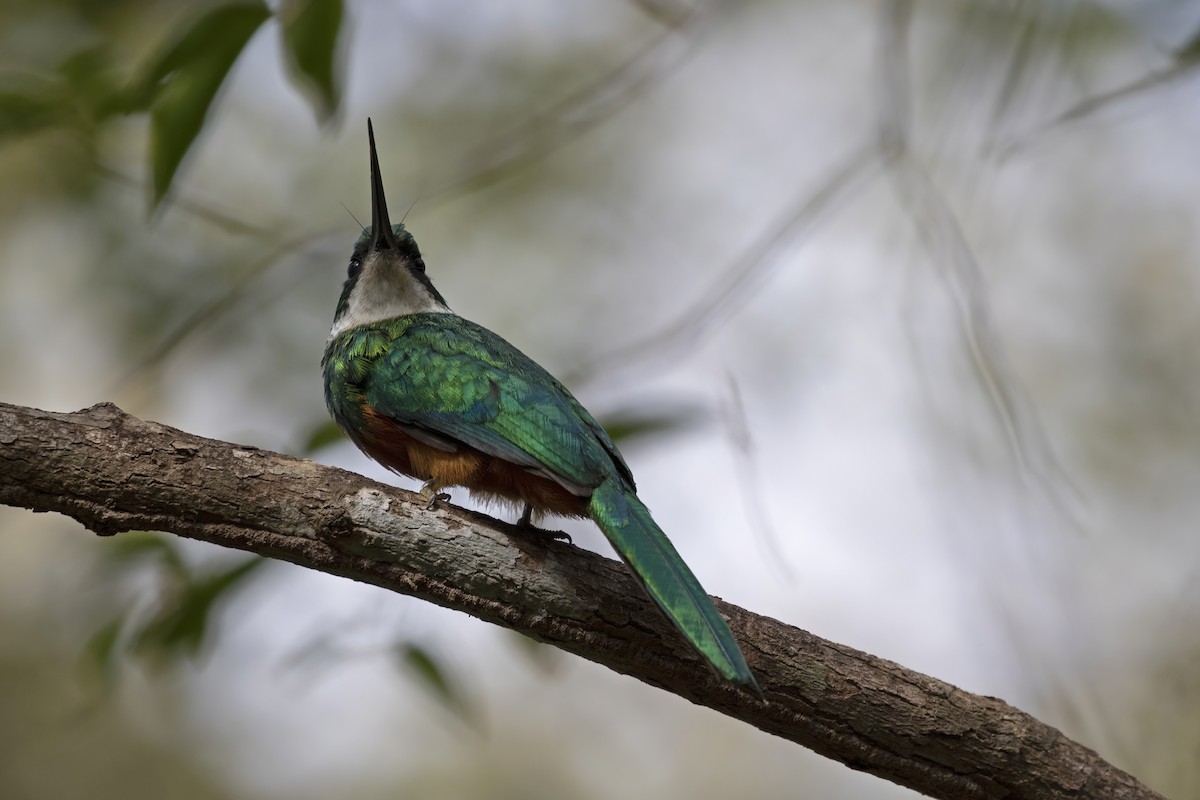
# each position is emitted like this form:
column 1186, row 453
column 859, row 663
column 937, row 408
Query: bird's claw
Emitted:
column 558, row 536
column 438, row 497
column 526, row 523
column 433, row 496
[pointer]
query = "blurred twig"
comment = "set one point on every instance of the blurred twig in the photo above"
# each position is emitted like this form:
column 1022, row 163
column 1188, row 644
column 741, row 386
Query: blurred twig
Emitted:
column 943, row 238
column 214, row 216
column 218, row 305
column 668, row 13
column 737, row 282
column 1184, row 65
column 577, row 113
column 746, row 470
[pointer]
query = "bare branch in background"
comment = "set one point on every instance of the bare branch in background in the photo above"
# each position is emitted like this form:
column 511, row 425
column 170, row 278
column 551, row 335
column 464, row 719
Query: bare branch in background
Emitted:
column 576, row 114
column 738, row 282
column 203, row 211
column 214, row 308
column 1184, row 66
column 943, row 238
column 745, row 468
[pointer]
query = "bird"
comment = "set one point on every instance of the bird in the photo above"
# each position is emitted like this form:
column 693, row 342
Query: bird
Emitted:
column 434, row 396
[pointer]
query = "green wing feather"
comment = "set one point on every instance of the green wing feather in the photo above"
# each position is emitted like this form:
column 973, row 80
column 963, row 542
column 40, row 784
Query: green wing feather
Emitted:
column 449, row 376
column 461, row 383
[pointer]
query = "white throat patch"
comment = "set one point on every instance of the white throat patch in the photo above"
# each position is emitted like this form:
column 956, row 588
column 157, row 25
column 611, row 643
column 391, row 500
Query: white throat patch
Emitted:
column 385, row 290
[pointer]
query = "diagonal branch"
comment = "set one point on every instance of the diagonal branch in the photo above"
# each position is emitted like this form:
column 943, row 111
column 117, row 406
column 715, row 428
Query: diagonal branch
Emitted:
column 113, row 472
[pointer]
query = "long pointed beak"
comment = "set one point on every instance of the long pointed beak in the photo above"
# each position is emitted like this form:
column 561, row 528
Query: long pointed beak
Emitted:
column 382, row 237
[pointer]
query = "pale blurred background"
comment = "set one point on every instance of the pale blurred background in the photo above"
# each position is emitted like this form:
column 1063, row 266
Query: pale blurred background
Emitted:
column 896, row 357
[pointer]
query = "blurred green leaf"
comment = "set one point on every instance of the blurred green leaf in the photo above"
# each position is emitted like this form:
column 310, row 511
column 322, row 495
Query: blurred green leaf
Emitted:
column 546, row 659
column 435, row 679
column 78, row 93
column 28, row 106
column 225, row 29
column 181, row 84
column 629, row 424
column 322, row 436
column 1189, row 51
column 319, row 653
column 91, row 74
column 310, row 34
column 100, row 652
column 181, row 626
column 134, row 545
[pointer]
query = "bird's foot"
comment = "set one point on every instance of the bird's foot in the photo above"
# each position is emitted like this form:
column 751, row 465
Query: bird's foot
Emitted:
column 434, row 497
column 558, row 536
column 526, row 523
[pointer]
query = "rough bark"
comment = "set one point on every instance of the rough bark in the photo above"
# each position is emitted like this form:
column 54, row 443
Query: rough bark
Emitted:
column 113, row 472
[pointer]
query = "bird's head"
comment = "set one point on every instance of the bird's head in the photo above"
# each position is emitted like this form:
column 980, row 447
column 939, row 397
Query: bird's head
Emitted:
column 386, row 277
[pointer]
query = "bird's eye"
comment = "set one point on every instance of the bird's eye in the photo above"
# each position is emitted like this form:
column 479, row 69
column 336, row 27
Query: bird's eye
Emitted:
column 412, row 254
column 354, row 268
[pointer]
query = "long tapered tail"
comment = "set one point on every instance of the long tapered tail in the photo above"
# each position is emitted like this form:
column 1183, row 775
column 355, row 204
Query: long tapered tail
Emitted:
column 645, row 548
